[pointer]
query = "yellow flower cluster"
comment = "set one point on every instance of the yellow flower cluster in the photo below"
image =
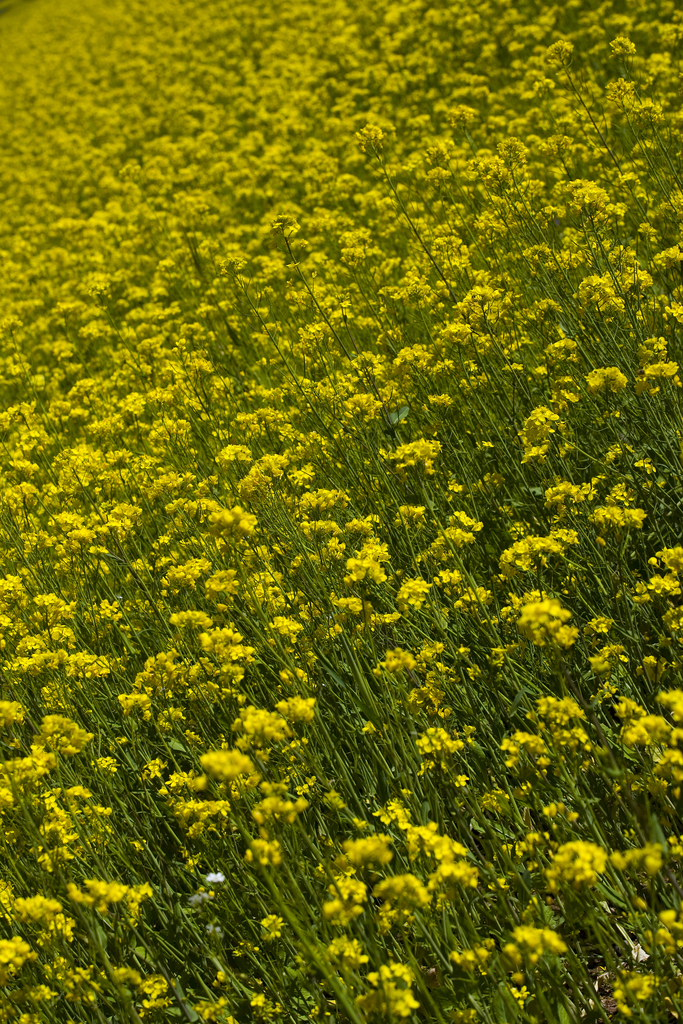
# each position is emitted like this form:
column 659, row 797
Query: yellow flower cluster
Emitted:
column 340, row 472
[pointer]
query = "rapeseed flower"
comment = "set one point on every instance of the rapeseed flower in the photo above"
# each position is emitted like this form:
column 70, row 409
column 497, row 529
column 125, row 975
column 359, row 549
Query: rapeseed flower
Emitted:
column 341, row 446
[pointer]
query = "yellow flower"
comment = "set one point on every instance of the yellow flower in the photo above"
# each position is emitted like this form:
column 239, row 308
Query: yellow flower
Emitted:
column 404, row 891
column 559, row 54
column 232, row 523
column 536, row 433
column 610, row 378
column 131, row 702
column 372, row 850
column 226, row 765
column 348, row 896
column 264, row 851
column 37, row 908
column 370, row 136
column 622, row 47
column 544, row 622
column 632, row 988
column 530, row 944
column 648, row 858
column 297, row 709
column 476, row 957
column 347, row 953
column 435, row 746
column 416, row 453
column 99, row 894
column 412, row 594
column 14, row 953
column 271, row 927
column 11, row 712
column 260, row 727
column 61, row 734
column 576, row 863
column 391, row 994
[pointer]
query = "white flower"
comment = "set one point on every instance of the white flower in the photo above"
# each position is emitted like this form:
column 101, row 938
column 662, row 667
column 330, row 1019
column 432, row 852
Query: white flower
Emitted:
column 215, row 877
column 198, row 899
column 214, row 929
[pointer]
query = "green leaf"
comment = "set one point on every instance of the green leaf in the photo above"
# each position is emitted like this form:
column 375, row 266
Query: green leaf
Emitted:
column 399, row 414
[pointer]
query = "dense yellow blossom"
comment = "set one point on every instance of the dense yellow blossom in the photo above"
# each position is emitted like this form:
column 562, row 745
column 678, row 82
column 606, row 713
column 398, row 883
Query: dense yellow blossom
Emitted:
column 392, row 994
column 340, row 490
column 579, row 863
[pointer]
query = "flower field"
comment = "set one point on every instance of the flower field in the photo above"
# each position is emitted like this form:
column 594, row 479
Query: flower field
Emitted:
column 341, row 422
